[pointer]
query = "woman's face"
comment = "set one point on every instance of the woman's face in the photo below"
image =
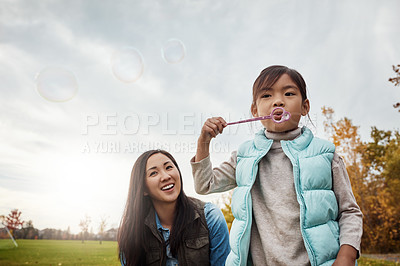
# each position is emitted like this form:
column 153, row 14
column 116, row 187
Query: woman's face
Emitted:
column 163, row 182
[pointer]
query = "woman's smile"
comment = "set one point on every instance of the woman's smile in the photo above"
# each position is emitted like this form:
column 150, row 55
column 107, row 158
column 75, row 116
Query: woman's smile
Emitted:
column 168, row 187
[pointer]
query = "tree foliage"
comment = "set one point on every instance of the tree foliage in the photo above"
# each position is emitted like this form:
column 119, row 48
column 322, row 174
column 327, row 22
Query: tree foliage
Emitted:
column 13, row 220
column 28, row 231
column 84, row 225
column 102, row 227
column 226, row 201
column 396, row 81
column 374, row 172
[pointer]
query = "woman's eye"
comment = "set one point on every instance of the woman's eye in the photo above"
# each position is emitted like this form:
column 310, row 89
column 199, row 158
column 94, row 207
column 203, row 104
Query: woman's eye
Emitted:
column 169, row 167
column 153, row 173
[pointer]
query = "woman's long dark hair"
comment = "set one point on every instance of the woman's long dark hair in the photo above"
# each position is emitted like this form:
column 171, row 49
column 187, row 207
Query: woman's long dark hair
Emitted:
column 131, row 234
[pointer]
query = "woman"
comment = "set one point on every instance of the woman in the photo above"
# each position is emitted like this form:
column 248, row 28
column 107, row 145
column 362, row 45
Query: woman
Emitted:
column 162, row 226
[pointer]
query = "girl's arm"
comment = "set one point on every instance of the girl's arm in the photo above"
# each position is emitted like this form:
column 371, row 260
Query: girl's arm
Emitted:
column 212, row 180
column 350, row 216
column 206, row 179
column 218, row 234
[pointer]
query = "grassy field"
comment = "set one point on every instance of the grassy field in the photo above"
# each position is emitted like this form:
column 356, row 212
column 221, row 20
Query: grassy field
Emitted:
column 60, row 252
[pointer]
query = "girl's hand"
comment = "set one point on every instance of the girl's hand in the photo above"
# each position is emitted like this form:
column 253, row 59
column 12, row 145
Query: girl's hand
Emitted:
column 347, row 256
column 211, row 128
column 344, row 261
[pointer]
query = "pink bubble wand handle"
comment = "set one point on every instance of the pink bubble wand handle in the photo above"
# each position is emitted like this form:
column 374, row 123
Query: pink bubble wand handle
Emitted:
column 284, row 116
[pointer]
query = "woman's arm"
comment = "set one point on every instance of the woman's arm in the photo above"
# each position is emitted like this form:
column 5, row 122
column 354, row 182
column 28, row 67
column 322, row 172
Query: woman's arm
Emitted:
column 218, row 234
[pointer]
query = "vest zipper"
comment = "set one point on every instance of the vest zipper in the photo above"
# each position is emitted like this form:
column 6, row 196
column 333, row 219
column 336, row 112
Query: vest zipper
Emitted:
column 296, row 176
column 251, row 213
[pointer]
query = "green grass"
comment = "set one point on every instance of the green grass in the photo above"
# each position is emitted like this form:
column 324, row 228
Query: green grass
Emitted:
column 58, row 252
column 366, row 261
column 74, row 252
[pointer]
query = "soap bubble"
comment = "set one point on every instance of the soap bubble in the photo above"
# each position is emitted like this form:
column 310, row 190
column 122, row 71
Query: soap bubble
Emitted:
column 173, row 51
column 127, row 64
column 56, row 84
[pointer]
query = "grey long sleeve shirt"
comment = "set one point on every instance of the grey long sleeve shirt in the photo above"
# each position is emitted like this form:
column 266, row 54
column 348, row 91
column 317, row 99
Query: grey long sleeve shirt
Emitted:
column 275, row 234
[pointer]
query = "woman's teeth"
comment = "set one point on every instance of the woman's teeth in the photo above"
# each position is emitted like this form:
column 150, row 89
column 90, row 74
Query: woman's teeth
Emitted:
column 167, row 187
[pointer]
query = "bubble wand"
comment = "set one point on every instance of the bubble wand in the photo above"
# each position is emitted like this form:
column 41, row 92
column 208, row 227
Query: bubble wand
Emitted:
column 278, row 111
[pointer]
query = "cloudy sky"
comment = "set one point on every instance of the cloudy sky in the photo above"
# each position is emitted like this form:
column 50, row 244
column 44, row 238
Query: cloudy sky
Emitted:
column 86, row 86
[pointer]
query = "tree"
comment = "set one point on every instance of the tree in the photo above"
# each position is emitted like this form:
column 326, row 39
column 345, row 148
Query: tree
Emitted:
column 396, row 81
column 28, row 231
column 374, row 172
column 349, row 146
column 67, row 234
column 102, row 227
column 226, row 200
column 382, row 154
column 84, row 225
column 13, row 220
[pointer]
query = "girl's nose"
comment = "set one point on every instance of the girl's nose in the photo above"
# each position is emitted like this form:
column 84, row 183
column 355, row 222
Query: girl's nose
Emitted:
column 279, row 103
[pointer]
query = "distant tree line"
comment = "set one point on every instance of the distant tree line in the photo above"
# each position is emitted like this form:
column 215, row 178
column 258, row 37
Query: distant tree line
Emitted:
column 25, row 230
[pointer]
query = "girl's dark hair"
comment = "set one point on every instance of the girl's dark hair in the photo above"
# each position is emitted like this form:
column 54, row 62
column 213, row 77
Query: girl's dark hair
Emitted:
column 271, row 74
column 131, row 234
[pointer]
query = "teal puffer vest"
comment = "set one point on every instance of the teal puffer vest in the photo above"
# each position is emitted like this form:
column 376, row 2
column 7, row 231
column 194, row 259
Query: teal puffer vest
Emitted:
column 311, row 159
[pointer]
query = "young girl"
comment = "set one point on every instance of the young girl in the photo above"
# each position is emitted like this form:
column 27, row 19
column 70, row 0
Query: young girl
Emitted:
column 293, row 203
column 161, row 225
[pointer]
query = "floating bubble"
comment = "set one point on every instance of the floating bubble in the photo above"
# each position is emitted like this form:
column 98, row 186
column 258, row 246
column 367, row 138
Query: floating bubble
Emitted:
column 56, row 84
column 127, row 64
column 173, row 51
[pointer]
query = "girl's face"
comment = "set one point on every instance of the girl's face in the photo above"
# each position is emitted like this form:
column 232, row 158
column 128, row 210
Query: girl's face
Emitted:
column 284, row 93
column 163, row 181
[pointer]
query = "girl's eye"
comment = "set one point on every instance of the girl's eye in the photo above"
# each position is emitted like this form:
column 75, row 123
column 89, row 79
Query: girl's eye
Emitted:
column 266, row 96
column 289, row 94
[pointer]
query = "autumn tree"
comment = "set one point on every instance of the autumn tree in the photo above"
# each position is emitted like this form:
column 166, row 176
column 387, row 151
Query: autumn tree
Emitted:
column 396, row 81
column 382, row 155
column 373, row 169
column 13, row 220
column 225, row 202
column 84, row 225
